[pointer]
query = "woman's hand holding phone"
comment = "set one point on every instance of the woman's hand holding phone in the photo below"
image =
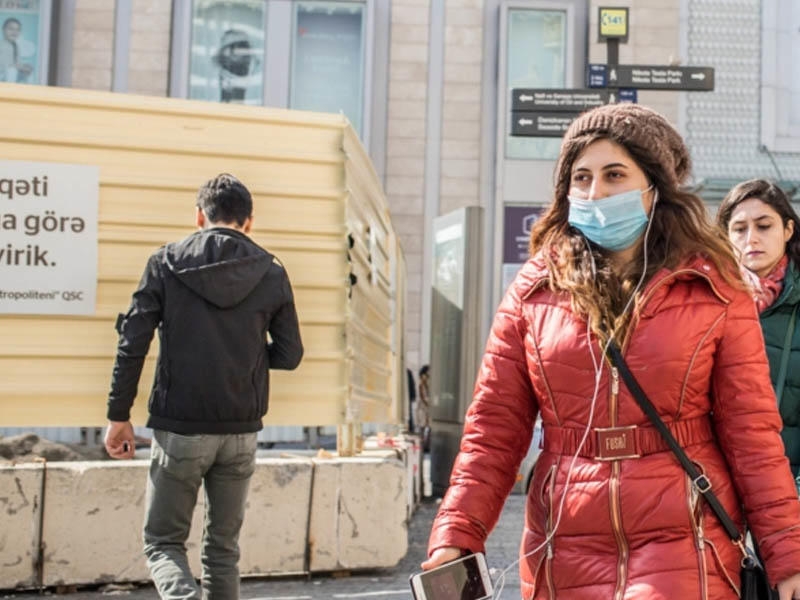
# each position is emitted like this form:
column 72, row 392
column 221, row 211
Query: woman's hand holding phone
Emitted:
column 441, row 556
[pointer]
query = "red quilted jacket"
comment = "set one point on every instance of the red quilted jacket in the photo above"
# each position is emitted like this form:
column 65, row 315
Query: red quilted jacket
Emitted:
column 632, row 525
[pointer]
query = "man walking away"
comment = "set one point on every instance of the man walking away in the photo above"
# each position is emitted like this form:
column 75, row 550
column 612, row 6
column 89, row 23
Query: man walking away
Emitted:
column 214, row 297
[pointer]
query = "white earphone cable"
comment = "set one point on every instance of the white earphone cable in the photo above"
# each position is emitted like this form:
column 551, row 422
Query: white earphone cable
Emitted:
column 598, row 371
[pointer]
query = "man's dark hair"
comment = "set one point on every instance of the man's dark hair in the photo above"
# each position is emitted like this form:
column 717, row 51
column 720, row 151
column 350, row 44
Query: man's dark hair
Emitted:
column 225, row 199
column 11, row 20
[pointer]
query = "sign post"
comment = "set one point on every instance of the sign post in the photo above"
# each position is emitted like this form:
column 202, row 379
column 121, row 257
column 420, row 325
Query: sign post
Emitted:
column 548, row 112
column 652, row 77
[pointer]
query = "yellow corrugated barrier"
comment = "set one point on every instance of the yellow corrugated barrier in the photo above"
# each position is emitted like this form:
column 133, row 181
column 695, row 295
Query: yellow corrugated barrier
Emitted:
column 315, row 193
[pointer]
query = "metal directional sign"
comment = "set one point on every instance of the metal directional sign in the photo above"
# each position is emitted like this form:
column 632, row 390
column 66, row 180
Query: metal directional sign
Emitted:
column 562, row 100
column 541, row 123
column 652, row 77
column 548, row 112
column 628, row 95
column 597, row 76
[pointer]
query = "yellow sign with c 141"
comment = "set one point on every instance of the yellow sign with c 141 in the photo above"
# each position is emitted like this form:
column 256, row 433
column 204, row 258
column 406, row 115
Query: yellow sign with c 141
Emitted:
column 613, row 23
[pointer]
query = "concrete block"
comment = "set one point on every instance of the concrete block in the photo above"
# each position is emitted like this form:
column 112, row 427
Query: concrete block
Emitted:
column 20, row 511
column 93, row 523
column 93, row 513
column 358, row 517
column 273, row 537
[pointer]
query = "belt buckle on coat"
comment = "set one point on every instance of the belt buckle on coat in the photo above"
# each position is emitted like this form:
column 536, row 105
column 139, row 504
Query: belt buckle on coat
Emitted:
column 615, row 443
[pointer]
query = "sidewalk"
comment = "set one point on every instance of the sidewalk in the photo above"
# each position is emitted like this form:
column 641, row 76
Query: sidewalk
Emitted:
column 502, row 548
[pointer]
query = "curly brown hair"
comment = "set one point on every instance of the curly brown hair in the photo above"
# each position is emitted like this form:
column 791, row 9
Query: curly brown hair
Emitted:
column 680, row 229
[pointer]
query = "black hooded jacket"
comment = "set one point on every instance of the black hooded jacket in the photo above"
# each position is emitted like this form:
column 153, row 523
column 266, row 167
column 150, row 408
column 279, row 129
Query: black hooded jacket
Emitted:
column 213, row 296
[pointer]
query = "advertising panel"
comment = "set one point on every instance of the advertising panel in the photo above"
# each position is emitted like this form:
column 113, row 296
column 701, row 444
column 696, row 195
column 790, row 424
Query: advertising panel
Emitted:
column 48, row 252
column 517, row 224
column 19, row 41
column 227, row 55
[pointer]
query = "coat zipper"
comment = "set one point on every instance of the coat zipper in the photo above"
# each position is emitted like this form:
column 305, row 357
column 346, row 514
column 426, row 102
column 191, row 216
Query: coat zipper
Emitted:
column 614, row 482
column 701, row 547
column 548, row 565
column 693, row 505
column 613, row 491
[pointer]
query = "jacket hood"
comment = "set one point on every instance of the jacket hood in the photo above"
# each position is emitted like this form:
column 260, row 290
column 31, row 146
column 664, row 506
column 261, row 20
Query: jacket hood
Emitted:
column 220, row 264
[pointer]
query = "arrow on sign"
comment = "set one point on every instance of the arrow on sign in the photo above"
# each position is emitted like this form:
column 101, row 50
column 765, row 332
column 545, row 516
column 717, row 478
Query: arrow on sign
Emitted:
column 526, row 122
column 700, row 76
column 524, row 98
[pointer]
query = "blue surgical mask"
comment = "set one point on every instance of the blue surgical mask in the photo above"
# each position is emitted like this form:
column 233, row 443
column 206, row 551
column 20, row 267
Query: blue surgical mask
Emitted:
column 614, row 223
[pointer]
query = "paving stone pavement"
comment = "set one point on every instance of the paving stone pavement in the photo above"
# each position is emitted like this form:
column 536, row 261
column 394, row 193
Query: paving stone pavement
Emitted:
column 384, row 584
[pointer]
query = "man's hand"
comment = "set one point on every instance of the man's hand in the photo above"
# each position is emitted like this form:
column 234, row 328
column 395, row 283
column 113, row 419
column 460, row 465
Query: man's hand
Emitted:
column 119, row 439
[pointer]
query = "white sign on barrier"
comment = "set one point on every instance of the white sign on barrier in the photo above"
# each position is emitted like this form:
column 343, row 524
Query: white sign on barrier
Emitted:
column 48, row 238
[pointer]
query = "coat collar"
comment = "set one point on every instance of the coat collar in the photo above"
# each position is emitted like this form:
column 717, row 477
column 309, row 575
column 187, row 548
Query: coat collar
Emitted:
column 791, row 289
column 535, row 274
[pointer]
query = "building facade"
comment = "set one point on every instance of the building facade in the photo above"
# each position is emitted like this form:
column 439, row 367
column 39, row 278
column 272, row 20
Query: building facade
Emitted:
column 426, row 83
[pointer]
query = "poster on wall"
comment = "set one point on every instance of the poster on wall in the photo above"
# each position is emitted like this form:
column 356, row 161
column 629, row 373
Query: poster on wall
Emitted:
column 517, row 224
column 19, row 43
column 48, row 252
column 227, row 56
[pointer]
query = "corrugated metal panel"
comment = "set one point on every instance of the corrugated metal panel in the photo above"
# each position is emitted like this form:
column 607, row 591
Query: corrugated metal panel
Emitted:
column 723, row 126
column 370, row 320
column 305, row 171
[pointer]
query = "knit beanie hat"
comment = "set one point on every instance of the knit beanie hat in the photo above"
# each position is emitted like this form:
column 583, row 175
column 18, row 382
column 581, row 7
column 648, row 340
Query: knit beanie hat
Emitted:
column 635, row 125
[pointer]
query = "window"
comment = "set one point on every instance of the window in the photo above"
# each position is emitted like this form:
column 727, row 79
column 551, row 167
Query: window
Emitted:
column 327, row 72
column 24, row 42
column 536, row 58
column 227, row 51
column 780, row 68
column 325, row 56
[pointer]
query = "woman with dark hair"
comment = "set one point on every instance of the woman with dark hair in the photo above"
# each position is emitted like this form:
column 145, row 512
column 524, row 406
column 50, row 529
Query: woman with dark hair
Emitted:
column 625, row 257
column 765, row 231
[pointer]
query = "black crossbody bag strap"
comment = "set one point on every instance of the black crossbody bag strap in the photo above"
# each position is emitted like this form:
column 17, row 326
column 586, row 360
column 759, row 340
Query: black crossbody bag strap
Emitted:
column 700, row 481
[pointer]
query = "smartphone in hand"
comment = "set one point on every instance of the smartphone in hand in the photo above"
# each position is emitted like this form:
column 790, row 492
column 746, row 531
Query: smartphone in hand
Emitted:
column 466, row 578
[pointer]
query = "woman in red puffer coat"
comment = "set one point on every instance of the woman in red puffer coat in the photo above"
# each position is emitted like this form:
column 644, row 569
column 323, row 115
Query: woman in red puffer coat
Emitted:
column 624, row 255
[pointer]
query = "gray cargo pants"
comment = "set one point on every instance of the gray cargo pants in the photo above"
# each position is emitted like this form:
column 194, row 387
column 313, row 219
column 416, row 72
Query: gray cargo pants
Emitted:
column 179, row 464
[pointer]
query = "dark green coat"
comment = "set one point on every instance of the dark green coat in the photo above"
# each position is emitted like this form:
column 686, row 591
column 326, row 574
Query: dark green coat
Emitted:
column 774, row 322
